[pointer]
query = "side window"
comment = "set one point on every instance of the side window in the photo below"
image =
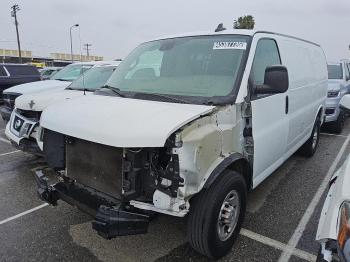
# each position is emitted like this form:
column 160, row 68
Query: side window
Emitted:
column 266, row 54
column 2, row 71
column 22, row 70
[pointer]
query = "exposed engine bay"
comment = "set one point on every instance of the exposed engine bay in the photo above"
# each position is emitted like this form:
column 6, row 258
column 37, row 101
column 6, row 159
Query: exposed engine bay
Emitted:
column 121, row 173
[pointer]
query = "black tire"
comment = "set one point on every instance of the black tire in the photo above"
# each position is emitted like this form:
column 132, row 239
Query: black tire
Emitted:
column 308, row 149
column 337, row 126
column 202, row 226
column 320, row 256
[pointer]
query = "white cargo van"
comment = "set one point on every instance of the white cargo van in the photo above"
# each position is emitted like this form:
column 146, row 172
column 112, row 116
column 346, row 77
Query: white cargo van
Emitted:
column 189, row 125
column 23, row 127
column 58, row 82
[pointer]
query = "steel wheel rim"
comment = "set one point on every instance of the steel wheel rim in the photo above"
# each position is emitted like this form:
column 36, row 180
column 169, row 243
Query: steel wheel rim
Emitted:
column 228, row 215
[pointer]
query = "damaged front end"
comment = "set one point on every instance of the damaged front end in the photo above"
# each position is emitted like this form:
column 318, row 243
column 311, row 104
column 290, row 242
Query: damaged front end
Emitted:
column 119, row 187
column 23, row 130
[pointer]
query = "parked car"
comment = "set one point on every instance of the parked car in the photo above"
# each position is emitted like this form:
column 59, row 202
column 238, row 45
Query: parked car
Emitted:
column 59, row 81
column 23, row 129
column 187, row 126
column 333, row 233
column 15, row 74
column 47, row 72
column 338, row 86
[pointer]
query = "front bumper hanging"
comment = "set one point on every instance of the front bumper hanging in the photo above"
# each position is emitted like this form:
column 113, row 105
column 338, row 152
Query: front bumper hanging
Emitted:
column 112, row 217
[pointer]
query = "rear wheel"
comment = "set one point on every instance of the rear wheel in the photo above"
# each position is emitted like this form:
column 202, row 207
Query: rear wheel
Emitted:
column 216, row 215
column 310, row 146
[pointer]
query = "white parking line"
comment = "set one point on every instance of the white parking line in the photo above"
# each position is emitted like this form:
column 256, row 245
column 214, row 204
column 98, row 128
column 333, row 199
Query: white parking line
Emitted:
column 294, row 240
column 328, row 134
column 23, row 213
column 278, row 245
column 244, row 232
column 10, row 153
column 5, row 140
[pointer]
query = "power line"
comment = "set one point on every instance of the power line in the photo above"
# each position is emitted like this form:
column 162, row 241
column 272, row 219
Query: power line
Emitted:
column 87, row 48
column 15, row 9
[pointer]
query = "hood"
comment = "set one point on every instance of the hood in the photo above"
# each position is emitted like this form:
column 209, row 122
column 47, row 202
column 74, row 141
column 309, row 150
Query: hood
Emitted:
column 37, row 86
column 39, row 101
column 120, row 122
column 334, row 84
column 338, row 193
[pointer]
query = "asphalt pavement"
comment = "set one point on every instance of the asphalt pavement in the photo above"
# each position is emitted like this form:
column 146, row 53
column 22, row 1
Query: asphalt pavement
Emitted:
column 33, row 231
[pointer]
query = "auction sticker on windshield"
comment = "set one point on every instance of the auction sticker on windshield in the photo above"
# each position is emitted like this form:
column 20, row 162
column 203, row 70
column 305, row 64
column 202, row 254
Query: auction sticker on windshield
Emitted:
column 230, row 45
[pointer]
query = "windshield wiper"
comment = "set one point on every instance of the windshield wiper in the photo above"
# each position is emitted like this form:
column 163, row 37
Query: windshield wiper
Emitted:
column 60, row 79
column 169, row 98
column 115, row 90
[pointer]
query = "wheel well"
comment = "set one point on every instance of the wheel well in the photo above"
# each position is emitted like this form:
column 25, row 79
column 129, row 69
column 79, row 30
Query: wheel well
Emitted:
column 243, row 167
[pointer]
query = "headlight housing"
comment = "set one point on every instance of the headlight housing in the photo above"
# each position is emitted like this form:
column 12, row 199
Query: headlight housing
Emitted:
column 333, row 93
column 344, row 231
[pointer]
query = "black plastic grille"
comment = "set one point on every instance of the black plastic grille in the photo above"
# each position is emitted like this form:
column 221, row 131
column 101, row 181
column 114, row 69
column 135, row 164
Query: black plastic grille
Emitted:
column 330, row 111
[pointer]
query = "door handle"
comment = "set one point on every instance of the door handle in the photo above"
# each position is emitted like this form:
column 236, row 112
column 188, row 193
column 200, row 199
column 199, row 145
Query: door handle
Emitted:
column 287, row 105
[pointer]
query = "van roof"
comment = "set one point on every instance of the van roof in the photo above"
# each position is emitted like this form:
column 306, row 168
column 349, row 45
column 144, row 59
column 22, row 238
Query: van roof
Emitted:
column 107, row 63
column 98, row 63
column 231, row 32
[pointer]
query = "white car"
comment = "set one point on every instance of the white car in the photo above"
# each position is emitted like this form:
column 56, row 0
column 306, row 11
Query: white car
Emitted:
column 333, row 232
column 59, row 81
column 23, row 129
column 338, row 85
column 189, row 125
column 48, row 72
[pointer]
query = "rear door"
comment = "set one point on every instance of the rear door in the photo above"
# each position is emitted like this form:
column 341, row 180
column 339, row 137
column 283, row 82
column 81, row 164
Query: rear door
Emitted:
column 269, row 118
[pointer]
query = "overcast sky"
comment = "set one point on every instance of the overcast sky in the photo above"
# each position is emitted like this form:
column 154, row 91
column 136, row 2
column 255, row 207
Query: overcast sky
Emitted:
column 114, row 28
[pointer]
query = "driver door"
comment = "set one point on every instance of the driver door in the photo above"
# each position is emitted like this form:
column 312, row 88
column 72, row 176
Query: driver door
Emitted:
column 269, row 116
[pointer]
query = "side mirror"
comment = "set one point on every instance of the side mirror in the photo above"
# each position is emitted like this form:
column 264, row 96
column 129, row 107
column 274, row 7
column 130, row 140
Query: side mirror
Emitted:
column 276, row 81
column 345, row 102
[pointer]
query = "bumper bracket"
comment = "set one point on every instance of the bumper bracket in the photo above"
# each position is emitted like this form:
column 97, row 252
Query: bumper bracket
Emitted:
column 111, row 222
column 112, row 217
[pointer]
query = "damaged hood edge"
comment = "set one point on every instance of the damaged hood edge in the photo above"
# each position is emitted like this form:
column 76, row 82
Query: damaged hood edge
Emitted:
column 120, row 122
column 339, row 192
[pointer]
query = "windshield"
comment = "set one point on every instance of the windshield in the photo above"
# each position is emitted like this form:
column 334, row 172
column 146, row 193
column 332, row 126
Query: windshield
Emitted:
column 71, row 72
column 201, row 66
column 93, row 79
column 335, row 71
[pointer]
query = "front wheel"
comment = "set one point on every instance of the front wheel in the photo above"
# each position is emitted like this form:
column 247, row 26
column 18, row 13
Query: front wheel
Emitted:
column 338, row 125
column 216, row 215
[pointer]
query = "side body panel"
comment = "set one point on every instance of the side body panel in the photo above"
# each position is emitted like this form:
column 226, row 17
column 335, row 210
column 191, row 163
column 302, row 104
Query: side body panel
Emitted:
column 307, row 69
column 281, row 123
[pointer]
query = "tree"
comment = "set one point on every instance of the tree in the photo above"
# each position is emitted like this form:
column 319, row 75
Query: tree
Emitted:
column 244, row 22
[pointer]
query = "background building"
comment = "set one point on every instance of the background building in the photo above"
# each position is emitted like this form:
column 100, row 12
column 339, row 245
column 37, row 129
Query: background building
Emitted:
column 55, row 59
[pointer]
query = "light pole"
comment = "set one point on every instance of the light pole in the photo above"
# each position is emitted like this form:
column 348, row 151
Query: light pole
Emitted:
column 71, row 42
column 15, row 9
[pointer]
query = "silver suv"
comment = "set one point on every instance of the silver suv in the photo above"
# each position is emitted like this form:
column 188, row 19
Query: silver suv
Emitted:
column 338, row 86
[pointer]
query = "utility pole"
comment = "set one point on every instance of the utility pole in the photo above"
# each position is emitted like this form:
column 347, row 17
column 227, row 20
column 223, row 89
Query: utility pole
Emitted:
column 15, row 9
column 87, row 48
